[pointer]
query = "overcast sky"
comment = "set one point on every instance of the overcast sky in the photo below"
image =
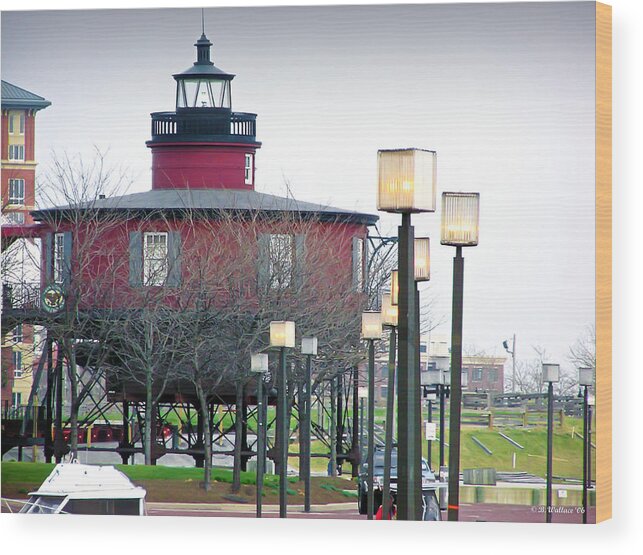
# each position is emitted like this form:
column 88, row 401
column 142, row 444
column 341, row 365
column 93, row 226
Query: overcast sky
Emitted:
column 503, row 92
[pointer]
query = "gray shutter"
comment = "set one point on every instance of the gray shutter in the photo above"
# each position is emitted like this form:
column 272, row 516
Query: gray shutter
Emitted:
column 67, row 249
column 48, row 258
column 300, row 260
column 357, row 262
column 174, row 259
column 136, row 258
column 263, row 261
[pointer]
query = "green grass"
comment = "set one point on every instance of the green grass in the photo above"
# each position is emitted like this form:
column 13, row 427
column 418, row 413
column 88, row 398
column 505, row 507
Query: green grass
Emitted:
column 13, row 472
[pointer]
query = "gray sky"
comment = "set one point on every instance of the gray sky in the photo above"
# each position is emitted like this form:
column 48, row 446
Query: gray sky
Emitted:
column 503, row 92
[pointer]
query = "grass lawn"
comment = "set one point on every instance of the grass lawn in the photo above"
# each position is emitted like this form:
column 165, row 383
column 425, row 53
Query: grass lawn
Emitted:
column 171, row 484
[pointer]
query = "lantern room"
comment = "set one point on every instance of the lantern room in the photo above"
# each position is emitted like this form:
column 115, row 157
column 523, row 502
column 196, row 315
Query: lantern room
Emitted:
column 203, row 86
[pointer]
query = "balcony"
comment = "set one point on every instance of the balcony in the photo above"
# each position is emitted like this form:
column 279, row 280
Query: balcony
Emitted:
column 205, row 125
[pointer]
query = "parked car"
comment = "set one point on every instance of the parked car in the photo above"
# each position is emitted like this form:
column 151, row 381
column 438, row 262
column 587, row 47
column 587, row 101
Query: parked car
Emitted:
column 429, row 485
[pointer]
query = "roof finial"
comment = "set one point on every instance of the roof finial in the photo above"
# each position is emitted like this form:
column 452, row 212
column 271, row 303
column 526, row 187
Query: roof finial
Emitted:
column 203, row 20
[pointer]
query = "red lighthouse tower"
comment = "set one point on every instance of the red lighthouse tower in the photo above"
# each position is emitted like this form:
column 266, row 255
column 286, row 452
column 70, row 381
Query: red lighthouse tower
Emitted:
column 203, row 144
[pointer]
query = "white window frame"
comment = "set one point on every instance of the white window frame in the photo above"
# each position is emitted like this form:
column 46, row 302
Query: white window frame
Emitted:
column 248, row 168
column 11, row 125
column 17, row 334
column 477, row 372
column 155, row 258
column 19, row 196
column 21, row 123
column 15, row 217
column 16, row 398
column 17, row 152
column 59, row 257
column 16, row 359
column 361, row 270
column 281, row 260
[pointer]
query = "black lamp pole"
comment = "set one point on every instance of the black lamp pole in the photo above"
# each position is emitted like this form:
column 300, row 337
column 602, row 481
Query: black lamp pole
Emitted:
column 306, row 432
column 388, row 439
column 550, row 447
column 455, row 395
column 370, row 503
column 260, row 444
column 282, row 425
column 409, row 471
column 585, row 451
column 429, row 420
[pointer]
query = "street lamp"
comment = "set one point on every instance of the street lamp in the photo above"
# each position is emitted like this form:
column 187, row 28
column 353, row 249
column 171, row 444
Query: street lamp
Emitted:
column 551, row 375
column 308, row 348
column 282, row 336
column 431, row 381
column 389, row 319
column 586, row 379
column 406, row 185
column 371, row 331
column 259, row 366
column 460, row 216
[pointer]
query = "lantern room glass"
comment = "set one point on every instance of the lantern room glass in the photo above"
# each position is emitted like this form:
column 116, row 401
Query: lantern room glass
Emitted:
column 202, row 92
column 407, row 180
column 460, row 219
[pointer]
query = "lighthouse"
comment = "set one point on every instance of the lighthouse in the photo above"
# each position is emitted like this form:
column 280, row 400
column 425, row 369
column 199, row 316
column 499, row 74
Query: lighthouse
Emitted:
column 203, row 144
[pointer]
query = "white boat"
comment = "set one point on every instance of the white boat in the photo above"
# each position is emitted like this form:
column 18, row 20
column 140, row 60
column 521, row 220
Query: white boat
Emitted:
column 84, row 489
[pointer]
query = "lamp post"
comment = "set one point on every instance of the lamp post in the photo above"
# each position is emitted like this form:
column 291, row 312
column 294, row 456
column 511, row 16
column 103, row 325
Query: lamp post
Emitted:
column 585, row 379
column 362, row 393
column 406, row 185
column 431, row 381
column 551, row 375
column 460, row 217
column 389, row 319
column 505, row 344
column 308, row 348
column 371, row 331
column 259, row 366
column 282, row 336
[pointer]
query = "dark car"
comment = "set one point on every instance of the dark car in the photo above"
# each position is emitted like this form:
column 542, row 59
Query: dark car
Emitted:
column 429, row 496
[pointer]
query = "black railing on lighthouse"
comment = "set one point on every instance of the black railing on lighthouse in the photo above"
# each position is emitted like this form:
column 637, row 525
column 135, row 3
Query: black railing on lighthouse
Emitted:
column 224, row 125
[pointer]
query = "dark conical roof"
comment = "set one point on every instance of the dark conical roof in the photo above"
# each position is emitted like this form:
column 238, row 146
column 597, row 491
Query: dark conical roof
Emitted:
column 203, row 66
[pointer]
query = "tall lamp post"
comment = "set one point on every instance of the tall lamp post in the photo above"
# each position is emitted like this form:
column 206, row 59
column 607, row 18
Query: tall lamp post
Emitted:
column 585, row 379
column 431, row 382
column 505, row 344
column 551, row 375
column 389, row 319
column 259, row 366
column 460, row 218
column 308, row 348
column 371, row 331
column 282, row 336
column 407, row 184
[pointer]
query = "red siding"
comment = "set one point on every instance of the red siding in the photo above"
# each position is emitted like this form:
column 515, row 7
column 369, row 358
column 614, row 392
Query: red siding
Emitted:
column 199, row 166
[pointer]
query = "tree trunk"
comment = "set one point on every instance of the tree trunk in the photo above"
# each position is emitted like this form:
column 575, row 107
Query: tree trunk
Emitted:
column 149, row 404
column 207, row 439
column 238, row 432
column 74, row 408
column 149, row 409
